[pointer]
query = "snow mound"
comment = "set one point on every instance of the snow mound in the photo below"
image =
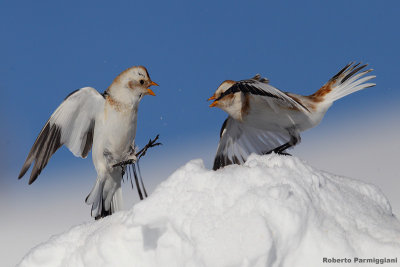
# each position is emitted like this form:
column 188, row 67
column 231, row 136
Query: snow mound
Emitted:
column 272, row 211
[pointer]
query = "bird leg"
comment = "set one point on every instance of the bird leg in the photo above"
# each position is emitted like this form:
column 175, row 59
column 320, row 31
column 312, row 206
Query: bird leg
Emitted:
column 132, row 156
column 294, row 140
column 141, row 153
column 281, row 149
column 132, row 163
column 141, row 180
column 137, row 182
column 151, row 143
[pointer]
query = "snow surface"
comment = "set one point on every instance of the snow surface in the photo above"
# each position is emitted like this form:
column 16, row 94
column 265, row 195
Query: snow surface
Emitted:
column 272, row 211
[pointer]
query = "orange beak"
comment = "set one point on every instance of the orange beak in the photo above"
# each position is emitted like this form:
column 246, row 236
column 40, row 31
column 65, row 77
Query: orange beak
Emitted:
column 211, row 98
column 150, row 92
column 153, row 83
column 213, row 104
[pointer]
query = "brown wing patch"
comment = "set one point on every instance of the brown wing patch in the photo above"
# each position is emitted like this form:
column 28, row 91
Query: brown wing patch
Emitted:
column 323, row 91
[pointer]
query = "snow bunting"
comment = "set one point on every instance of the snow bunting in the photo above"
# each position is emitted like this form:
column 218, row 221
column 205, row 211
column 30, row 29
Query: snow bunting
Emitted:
column 263, row 119
column 105, row 123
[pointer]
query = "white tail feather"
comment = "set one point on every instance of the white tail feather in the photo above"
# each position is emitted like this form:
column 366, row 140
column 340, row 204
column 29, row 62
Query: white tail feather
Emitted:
column 342, row 91
column 117, row 202
column 105, row 198
column 346, row 82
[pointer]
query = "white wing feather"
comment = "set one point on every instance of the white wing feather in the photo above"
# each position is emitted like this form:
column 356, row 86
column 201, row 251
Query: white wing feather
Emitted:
column 72, row 125
column 238, row 141
column 75, row 116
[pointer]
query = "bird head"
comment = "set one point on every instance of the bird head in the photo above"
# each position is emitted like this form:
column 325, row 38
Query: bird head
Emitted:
column 134, row 81
column 219, row 100
column 231, row 102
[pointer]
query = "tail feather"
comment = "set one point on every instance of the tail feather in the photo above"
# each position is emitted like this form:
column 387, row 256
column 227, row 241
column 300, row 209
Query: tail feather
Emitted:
column 355, row 80
column 95, row 198
column 105, row 198
column 116, row 202
column 347, row 81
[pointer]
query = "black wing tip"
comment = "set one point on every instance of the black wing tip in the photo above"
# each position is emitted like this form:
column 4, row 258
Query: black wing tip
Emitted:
column 217, row 163
column 24, row 169
column 26, row 166
column 46, row 144
column 221, row 161
column 247, row 86
column 22, row 173
column 34, row 175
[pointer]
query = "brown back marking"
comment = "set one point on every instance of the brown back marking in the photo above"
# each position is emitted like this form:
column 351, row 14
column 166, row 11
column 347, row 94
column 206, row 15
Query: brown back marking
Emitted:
column 323, row 91
column 246, row 105
column 118, row 106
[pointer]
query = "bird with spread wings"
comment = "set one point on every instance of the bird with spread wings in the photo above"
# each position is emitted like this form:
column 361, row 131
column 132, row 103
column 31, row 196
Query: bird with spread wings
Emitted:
column 263, row 119
column 105, row 123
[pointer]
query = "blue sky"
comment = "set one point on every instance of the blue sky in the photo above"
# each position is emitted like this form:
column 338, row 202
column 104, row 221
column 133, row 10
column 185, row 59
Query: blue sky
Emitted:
column 49, row 49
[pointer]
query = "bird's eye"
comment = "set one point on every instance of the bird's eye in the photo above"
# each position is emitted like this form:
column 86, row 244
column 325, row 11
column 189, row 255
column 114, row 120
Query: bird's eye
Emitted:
column 141, row 82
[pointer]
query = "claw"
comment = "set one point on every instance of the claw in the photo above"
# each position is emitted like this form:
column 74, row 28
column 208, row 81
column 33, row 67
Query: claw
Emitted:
column 132, row 163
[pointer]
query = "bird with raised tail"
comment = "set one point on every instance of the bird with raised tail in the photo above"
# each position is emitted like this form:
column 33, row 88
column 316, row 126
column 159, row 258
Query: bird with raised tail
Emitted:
column 263, row 119
column 105, row 123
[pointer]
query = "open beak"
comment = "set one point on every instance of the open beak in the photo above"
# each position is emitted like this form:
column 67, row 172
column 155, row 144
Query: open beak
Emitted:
column 149, row 91
column 213, row 104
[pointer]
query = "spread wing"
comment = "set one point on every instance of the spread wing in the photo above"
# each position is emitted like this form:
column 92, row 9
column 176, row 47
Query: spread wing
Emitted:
column 269, row 94
column 72, row 125
column 238, row 141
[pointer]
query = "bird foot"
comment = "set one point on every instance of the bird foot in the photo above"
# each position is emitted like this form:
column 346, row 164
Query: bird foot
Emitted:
column 124, row 163
column 283, row 153
column 135, row 157
column 151, row 143
column 132, row 158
